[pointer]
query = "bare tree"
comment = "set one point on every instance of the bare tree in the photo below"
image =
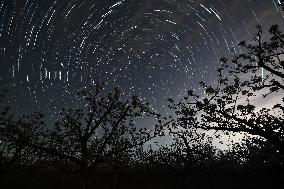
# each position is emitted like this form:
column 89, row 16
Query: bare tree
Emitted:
column 238, row 102
column 14, row 131
column 190, row 144
column 101, row 132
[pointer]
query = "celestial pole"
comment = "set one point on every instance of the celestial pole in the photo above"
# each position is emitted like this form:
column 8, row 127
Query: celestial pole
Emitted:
column 155, row 49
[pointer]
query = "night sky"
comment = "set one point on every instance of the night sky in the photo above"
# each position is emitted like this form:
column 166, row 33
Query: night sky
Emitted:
column 152, row 48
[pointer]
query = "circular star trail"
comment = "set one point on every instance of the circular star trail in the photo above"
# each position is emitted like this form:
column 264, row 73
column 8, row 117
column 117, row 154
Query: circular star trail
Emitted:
column 152, row 48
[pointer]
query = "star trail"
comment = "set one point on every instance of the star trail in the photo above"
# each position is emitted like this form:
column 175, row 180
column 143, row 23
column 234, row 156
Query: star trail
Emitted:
column 155, row 49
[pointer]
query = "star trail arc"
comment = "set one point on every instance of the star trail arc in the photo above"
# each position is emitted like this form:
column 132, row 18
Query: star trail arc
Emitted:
column 152, row 48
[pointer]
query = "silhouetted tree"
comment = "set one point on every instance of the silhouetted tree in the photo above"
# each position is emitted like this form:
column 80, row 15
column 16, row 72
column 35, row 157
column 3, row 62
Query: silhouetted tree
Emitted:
column 13, row 131
column 102, row 132
column 191, row 149
column 237, row 103
column 8, row 154
column 14, row 134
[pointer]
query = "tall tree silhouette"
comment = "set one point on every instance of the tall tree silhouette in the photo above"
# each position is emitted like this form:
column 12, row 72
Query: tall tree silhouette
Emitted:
column 238, row 102
column 101, row 132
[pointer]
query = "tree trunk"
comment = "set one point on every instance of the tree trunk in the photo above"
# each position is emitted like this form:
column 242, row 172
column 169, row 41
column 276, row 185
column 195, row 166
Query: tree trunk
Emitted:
column 62, row 183
column 115, row 181
column 85, row 182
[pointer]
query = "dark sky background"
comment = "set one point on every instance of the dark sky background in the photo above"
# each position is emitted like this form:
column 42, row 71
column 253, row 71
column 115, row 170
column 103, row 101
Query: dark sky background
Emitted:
column 152, row 48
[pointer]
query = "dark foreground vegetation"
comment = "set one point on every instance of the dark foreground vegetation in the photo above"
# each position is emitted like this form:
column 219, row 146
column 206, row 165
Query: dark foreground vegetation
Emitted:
column 98, row 145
